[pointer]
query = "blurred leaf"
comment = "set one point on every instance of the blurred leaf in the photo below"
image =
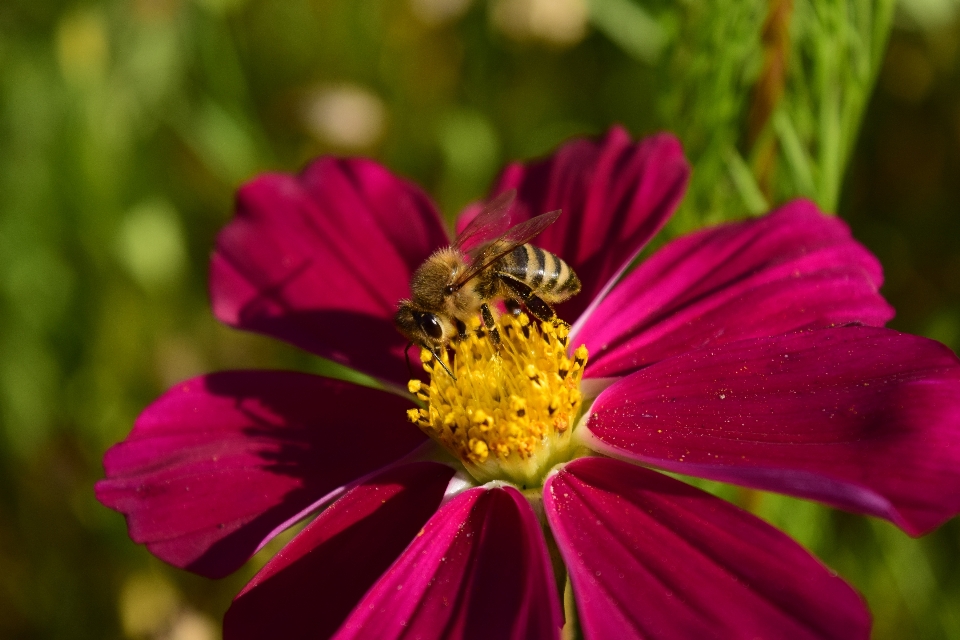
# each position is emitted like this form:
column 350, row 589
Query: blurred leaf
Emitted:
column 746, row 185
column 222, row 141
column 82, row 48
column 150, row 244
column 630, row 26
column 785, row 82
column 707, row 76
column 471, row 155
column 29, row 377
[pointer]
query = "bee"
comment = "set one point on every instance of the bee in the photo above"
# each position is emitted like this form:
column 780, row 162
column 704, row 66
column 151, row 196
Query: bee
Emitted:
column 484, row 264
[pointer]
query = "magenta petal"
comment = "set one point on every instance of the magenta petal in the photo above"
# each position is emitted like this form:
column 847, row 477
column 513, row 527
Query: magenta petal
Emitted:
column 652, row 557
column 308, row 589
column 795, row 268
column 615, row 195
column 321, row 260
column 219, row 464
column 863, row 418
column 479, row 569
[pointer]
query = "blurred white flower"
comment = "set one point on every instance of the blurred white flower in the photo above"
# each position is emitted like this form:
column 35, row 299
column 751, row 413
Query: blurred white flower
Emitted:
column 191, row 625
column 558, row 22
column 152, row 608
column 346, row 116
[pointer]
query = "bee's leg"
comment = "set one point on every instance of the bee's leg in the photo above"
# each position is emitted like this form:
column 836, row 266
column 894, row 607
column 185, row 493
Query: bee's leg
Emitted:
column 489, row 323
column 513, row 306
column 539, row 308
column 406, row 354
column 533, row 302
column 461, row 328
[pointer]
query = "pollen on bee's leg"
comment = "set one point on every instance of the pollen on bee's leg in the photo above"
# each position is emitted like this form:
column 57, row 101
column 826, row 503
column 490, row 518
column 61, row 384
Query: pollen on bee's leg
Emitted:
column 509, row 412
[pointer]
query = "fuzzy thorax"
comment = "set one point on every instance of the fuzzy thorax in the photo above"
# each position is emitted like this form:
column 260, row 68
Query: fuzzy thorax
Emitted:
column 509, row 413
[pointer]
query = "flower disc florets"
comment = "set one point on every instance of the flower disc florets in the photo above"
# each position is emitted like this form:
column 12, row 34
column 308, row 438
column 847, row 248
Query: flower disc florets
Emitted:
column 509, row 413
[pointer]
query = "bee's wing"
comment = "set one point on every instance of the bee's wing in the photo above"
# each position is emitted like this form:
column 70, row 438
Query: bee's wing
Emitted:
column 488, row 224
column 510, row 240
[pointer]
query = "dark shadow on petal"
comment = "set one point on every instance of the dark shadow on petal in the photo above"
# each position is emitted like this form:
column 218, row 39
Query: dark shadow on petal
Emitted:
column 363, row 342
column 499, row 579
column 320, row 455
column 220, row 463
column 269, row 293
column 311, row 586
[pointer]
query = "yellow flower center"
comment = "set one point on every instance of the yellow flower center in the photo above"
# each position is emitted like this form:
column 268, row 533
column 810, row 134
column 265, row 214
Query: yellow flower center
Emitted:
column 509, row 413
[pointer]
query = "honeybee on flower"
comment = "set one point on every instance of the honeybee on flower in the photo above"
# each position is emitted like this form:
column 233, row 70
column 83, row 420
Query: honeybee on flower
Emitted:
column 487, row 262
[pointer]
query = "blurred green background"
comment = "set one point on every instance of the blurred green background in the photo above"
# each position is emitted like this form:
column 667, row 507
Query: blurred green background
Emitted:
column 126, row 125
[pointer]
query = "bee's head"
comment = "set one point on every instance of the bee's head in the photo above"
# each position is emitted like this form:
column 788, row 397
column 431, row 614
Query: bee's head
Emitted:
column 422, row 327
column 432, row 282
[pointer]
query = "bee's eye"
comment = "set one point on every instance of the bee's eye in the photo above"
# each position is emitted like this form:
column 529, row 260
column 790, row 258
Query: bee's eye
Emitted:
column 448, row 290
column 431, row 326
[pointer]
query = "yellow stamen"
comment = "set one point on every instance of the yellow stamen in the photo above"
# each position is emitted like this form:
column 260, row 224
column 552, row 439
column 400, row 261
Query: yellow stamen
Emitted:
column 509, row 412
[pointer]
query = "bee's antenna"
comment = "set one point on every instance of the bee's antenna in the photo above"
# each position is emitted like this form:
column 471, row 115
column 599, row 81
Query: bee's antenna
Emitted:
column 406, row 354
column 445, row 368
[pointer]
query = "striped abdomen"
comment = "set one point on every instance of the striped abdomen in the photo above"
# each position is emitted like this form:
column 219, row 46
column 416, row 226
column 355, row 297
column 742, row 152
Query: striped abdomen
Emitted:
column 549, row 277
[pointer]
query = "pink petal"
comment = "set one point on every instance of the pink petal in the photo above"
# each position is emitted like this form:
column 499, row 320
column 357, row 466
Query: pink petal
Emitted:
column 321, row 260
column 478, row 569
column 862, row 418
column 338, row 556
column 651, row 557
column 219, row 464
column 795, row 268
column 615, row 195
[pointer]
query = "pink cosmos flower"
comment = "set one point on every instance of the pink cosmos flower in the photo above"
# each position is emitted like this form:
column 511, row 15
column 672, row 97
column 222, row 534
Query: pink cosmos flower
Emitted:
column 752, row 352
